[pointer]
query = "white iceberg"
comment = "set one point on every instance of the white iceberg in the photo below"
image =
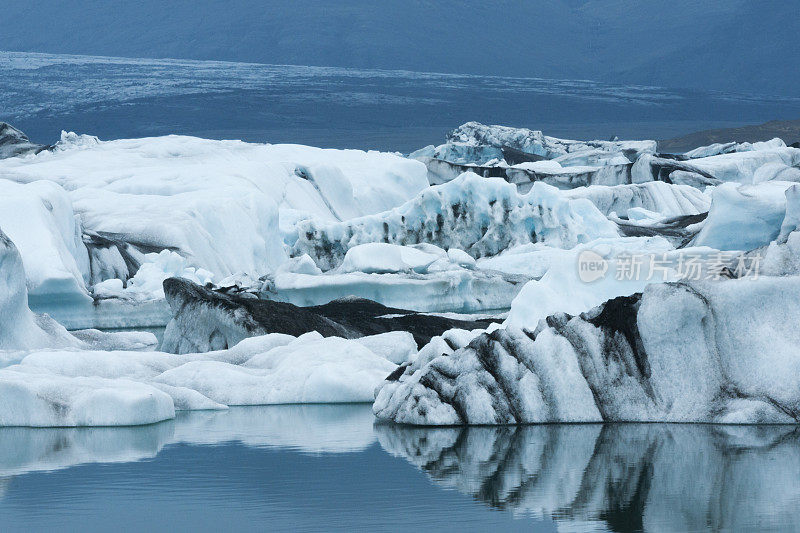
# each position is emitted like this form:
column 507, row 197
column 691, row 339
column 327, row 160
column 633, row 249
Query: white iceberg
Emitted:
column 744, row 217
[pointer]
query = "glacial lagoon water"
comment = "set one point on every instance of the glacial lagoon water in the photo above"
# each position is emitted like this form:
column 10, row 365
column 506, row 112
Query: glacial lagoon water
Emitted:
column 331, row 467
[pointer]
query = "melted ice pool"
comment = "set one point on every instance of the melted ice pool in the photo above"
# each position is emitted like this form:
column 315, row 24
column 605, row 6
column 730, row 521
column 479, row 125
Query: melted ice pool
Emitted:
column 324, row 467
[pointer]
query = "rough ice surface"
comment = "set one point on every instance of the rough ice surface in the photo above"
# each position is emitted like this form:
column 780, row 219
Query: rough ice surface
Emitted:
column 101, row 388
column 15, row 143
column 383, row 258
column 748, row 167
column 744, row 217
column 461, row 290
column 662, row 198
column 535, row 142
column 147, row 283
column 478, row 215
column 561, row 289
column 307, row 226
column 524, row 156
column 524, row 175
column 41, row 399
column 204, row 319
column 422, row 277
column 20, row 328
column 215, row 202
column 725, row 355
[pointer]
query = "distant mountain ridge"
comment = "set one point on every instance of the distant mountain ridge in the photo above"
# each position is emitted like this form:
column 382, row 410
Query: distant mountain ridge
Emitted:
column 788, row 130
column 735, row 46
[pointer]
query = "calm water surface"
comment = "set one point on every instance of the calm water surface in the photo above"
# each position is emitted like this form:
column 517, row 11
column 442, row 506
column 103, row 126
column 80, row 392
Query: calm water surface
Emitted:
column 332, row 468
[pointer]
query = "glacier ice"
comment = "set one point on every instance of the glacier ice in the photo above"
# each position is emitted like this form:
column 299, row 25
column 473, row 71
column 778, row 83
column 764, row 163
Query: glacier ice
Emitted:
column 535, row 142
column 15, row 143
column 748, row 167
column 744, row 217
column 478, row 215
column 205, row 320
column 39, row 219
column 106, row 388
column 662, row 198
column 20, row 328
column 40, row 399
column 678, row 352
column 730, row 147
column 217, row 203
column 524, row 156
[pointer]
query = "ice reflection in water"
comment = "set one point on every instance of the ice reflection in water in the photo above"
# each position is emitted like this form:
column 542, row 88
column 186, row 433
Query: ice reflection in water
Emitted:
column 628, row 476
column 623, row 477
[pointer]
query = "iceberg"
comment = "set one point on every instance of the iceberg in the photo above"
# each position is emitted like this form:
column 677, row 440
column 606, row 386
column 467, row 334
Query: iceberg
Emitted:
column 15, row 143
column 42, row 400
column 480, row 216
column 107, row 388
column 39, row 219
column 535, row 142
column 731, row 147
column 744, row 217
column 717, row 352
column 217, row 203
column 524, row 175
column 20, row 328
column 666, row 199
column 205, row 320
column 524, row 156
column 755, row 166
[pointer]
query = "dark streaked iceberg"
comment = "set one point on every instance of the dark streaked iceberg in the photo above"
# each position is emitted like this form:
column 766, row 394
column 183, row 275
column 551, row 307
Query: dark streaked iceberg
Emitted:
column 205, row 320
column 719, row 352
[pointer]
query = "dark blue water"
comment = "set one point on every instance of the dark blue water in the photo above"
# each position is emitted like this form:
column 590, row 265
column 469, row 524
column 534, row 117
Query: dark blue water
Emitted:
column 311, row 468
column 341, row 108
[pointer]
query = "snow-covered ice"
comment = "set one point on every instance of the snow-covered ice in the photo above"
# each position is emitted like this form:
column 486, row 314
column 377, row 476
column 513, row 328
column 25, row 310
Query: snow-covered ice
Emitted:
column 215, row 202
column 97, row 388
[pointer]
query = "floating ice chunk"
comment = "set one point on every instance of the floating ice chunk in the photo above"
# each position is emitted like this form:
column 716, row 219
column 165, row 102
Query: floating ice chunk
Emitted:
column 119, row 340
column 214, row 202
column 299, row 265
column 41, row 399
column 381, row 258
column 14, row 143
column 729, row 147
column 740, row 167
column 535, row 142
column 640, row 214
column 461, row 290
column 317, row 371
column 185, row 399
column 461, row 258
